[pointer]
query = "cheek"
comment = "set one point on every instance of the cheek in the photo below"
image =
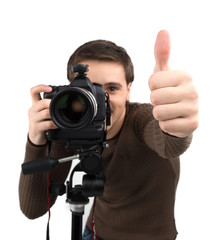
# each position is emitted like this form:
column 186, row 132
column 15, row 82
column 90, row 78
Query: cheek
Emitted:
column 113, row 101
column 117, row 103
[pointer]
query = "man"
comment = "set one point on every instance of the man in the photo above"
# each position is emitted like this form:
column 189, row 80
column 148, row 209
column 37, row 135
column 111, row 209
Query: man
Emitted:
column 142, row 163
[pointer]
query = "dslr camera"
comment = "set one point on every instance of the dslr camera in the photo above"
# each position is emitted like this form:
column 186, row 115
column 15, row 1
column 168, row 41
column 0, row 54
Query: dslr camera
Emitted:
column 81, row 110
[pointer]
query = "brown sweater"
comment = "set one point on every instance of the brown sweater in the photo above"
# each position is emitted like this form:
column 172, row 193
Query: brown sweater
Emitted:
column 142, row 171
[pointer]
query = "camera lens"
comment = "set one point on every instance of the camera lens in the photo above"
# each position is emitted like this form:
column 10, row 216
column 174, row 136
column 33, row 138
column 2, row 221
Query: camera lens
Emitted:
column 73, row 108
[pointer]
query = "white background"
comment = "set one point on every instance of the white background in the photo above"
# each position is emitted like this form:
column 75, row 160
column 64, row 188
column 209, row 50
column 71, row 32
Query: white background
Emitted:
column 36, row 40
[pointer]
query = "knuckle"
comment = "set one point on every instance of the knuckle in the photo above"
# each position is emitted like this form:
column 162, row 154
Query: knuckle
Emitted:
column 151, row 82
column 189, row 110
column 46, row 113
column 195, row 109
column 186, row 77
column 46, row 102
column 48, row 125
column 30, row 110
column 153, row 98
column 43, row 104
column 193, row 95
column 163, row 126
column 32, row 90
column 157, row 113
column 194, row 123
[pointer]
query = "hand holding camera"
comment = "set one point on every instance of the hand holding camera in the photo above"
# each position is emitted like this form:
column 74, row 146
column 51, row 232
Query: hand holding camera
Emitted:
column 78, row 111
column 39, row 118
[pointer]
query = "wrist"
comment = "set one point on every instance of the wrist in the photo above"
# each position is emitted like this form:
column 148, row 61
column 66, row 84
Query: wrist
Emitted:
column 38, row 140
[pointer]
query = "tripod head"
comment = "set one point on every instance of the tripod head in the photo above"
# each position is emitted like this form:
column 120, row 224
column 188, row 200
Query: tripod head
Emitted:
column 90, row 163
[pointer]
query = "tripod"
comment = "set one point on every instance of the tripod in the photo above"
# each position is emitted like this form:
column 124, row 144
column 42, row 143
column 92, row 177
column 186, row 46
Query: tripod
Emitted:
column 76, row 196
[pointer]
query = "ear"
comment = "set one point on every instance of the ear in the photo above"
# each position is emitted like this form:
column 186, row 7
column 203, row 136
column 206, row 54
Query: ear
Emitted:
column 128, row 91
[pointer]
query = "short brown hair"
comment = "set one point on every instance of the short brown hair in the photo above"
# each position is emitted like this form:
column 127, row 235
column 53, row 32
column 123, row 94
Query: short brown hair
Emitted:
column 102, row 50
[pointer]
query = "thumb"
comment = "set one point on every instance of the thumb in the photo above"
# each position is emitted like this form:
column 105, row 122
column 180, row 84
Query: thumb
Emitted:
column 162, row 51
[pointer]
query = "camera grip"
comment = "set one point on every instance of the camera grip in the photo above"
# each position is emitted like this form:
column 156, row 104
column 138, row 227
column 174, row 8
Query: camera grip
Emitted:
column 40, row 165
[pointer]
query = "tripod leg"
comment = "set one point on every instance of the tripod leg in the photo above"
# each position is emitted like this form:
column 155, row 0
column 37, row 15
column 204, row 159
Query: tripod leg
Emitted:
column 76, row 226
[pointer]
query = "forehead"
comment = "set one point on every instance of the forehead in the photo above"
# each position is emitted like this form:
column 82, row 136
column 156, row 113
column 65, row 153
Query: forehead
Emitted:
column 105, row 72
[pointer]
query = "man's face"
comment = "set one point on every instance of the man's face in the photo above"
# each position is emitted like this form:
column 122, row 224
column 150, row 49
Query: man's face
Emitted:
column 111, row 76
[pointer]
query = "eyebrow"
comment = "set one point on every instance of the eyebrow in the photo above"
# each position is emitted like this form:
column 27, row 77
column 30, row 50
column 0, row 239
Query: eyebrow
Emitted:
column 113, row 83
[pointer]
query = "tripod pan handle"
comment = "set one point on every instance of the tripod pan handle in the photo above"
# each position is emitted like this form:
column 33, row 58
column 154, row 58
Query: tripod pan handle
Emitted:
column 40, row 165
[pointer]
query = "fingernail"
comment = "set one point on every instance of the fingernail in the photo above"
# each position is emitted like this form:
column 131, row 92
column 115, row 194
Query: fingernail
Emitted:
column 48, row 88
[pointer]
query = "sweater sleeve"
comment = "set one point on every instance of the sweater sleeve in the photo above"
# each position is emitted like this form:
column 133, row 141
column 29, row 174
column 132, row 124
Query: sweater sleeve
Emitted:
column 33, row 188
column 149, row 132
column 167, row 146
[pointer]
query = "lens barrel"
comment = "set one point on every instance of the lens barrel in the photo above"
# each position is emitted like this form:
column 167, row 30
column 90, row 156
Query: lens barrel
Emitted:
column 73, row 108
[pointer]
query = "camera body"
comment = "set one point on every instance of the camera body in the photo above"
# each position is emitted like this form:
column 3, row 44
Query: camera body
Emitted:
column 79, row 110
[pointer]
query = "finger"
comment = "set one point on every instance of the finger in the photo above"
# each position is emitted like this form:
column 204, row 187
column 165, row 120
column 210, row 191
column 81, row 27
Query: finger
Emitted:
column 35, row 92
column 166, row 95
column 46, row 125
column 41, row 105
column 37, row 131
column 162, row 51
column 40, row 116
column 172, row 111
column 165, row 79
column 179, row 127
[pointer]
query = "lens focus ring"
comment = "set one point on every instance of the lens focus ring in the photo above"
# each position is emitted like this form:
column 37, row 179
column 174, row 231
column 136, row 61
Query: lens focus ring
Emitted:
column 73, row 108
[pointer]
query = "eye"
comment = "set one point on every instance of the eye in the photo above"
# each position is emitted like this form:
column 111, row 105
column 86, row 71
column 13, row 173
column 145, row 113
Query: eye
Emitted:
column 112, row 89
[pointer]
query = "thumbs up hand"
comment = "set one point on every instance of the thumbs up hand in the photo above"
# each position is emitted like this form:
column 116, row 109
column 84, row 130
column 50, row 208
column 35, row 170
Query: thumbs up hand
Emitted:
column 173, row 94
